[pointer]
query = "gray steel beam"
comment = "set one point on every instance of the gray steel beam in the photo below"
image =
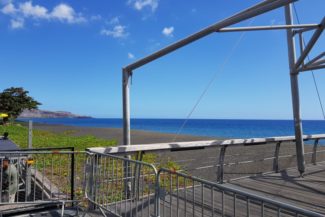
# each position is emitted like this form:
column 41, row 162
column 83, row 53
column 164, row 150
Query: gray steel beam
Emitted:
column 253, row 11
column 126, row 107
column 295, row 92
column 319, row 62
column 312, row 67
column 315, row 59
column 311, row 43
column 276, row 27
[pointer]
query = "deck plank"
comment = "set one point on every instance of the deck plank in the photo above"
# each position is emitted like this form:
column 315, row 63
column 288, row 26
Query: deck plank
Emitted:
column 307, row 192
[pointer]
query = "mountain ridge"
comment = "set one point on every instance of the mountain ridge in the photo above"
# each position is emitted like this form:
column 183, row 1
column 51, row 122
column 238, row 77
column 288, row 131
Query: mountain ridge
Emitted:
column 37, row 113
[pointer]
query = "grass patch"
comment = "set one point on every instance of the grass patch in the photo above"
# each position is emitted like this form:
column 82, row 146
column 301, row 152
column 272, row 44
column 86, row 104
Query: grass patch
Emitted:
column 42, row 139
column 57, row 167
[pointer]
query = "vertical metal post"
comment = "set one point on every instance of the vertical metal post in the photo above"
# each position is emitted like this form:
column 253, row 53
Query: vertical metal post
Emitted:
column 295, row 92
column 221, row 164
column 28, row 167
column 72, row 174
column 126, row 128
column 126, row 107
column 276, row 157
column 315, row 152
column 157, row 197
column 92, row 183
column 136, row 176
column 30, row 134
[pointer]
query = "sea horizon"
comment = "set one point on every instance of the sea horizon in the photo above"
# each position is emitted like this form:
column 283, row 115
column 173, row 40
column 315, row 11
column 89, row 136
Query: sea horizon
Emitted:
column 220, row 128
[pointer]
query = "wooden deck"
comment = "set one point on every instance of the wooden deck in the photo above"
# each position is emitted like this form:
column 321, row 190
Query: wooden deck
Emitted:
column 198, row 201
column 287, row 186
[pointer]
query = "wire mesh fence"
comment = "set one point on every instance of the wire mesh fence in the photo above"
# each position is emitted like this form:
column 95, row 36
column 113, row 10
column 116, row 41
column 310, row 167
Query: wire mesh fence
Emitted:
column 120, row 185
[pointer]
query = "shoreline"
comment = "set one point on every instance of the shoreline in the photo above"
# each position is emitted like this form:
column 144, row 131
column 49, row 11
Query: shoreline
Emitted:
column 137, row 136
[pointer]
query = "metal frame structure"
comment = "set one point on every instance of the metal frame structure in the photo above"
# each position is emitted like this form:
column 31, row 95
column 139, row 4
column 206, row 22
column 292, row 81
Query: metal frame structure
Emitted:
column 295, row 66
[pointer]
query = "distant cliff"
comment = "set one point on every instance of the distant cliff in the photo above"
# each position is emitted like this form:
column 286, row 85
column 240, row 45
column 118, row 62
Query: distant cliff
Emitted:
column 35, row 113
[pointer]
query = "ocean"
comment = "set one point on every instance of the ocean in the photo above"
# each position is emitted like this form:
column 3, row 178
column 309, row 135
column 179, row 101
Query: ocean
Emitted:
column 198, row 127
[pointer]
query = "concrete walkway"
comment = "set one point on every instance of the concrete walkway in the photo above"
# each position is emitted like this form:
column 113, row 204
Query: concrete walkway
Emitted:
column 7, row 145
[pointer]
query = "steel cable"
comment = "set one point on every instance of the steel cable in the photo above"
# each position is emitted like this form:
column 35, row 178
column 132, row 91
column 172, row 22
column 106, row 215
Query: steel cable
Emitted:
column 214, row 77
column 312, row 71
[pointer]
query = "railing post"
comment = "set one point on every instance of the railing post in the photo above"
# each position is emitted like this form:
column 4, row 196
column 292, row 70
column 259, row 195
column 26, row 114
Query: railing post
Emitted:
column 221, row 164
column 28, row 167
column 136, row 175
column 276, row 157
column 313, row 160
column 92, row 183
column 126, row 127
column 72, row 174
column 157, row 195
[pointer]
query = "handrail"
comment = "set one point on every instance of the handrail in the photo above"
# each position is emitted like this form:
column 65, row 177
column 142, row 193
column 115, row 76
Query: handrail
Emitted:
column 180, row 146
column 124, row 159
column 278, row 204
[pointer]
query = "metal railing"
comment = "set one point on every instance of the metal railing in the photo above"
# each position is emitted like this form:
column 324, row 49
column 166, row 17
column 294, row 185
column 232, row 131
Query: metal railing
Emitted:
column 274, row 160
column 185, row 195
column 121, row 186
column 275, row 153
column 125, row 187
column 37, row 175
column 170, row 193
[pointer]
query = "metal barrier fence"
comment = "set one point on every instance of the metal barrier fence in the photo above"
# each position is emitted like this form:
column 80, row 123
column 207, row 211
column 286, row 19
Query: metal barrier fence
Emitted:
column 124, row 187
column 184, row 195
column 262, row 158
column 221, row 160
column 37, row 175
column 121, row 186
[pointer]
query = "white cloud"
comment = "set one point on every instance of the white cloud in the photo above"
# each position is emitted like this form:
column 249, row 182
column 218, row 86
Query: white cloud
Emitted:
column 118, row 31
column 9, row 9
column 64, row 12
column 27, row 10
column 30, row 10
column 131, row 56
column 141, row 4
column 168, row 31
column 17, row 23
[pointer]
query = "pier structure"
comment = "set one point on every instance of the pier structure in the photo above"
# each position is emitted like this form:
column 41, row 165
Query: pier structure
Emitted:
column 295, row 66
column 238, row 177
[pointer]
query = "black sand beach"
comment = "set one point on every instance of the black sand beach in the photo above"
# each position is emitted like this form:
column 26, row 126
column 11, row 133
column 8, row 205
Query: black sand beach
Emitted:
column 138, row 136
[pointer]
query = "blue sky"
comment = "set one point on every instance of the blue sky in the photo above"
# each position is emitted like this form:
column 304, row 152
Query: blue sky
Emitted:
column 69, row 55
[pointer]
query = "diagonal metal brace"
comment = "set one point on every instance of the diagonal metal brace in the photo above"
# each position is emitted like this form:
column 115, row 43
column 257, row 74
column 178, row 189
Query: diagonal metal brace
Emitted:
column 315, row 59
column 310, row 44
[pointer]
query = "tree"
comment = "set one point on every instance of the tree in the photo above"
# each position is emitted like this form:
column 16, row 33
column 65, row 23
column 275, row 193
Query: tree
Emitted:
column 14, row 100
